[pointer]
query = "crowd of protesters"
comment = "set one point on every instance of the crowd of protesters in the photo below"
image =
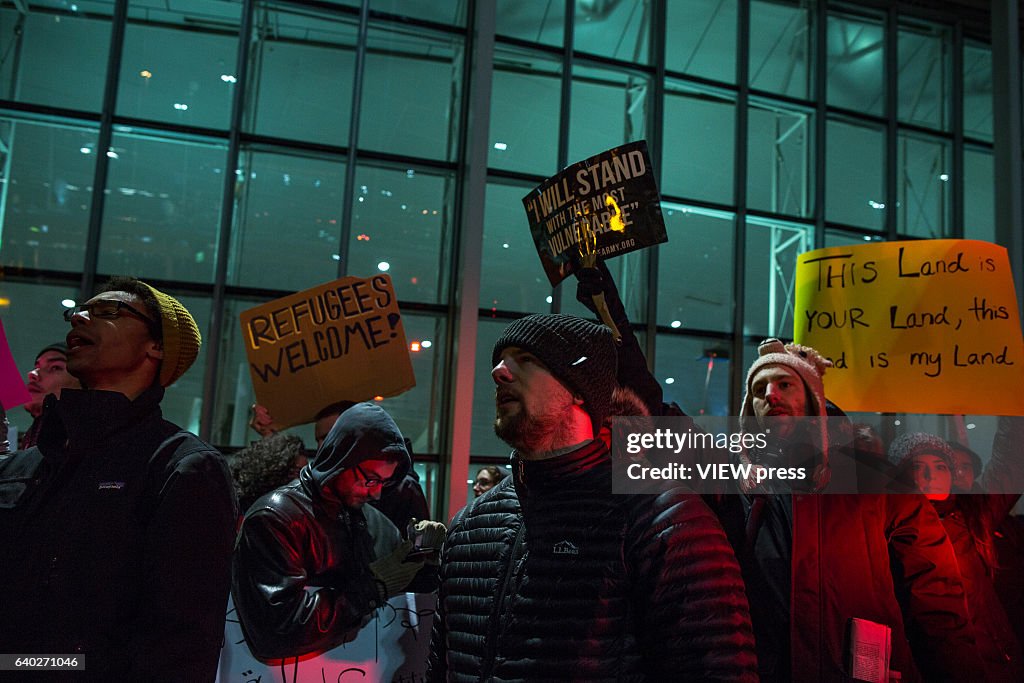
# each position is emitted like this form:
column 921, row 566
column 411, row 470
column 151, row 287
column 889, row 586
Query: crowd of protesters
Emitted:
column 121, row 535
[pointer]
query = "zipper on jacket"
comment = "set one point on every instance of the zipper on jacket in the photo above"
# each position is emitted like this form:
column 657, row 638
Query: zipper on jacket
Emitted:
column 492, row 632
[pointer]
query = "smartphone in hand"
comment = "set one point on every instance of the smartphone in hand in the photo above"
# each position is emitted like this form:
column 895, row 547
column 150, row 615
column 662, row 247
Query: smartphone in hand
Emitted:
column 420, row 554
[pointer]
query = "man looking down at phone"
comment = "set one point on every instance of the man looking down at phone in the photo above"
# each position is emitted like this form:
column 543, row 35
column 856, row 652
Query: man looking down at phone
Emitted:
column 313, row 560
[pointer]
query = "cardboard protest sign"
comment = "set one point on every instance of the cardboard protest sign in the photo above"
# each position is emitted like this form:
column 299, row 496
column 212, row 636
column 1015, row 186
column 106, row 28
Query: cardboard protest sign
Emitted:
column 604, row 206
column 12, row 385
column 928, row 326
column 339, row 341
column 393, row 647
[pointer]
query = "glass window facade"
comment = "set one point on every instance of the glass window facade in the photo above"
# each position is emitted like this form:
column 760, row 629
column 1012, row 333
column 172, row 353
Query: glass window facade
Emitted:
column 698, row 144
column 780, row 161
column 855, row 173
column 856, row 63
column 176, row 70
column 925, row 68
column 303, row 64
column 326, row 151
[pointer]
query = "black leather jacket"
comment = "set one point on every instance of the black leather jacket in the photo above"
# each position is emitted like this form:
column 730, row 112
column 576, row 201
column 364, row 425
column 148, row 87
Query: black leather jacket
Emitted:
column 301, row 581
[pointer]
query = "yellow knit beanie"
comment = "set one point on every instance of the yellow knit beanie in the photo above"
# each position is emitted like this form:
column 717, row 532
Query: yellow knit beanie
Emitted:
column 181, row 337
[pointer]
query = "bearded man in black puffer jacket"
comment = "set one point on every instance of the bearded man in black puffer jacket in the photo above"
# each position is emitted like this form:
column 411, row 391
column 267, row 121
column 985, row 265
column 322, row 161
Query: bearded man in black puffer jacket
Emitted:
column 550, row 576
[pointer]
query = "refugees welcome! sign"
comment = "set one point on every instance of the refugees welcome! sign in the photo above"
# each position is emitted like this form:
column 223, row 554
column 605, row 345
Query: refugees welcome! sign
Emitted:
column 342, row 340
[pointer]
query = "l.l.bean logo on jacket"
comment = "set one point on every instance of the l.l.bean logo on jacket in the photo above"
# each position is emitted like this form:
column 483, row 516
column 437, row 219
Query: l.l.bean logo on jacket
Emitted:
column 565, row 548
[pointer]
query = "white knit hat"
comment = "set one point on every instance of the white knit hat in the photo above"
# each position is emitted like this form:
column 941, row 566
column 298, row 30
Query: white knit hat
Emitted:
column 810, row 366
column 803, row 360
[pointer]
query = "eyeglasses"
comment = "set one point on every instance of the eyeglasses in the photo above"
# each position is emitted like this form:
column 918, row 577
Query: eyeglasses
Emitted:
column 368, row 481
column 109, row 309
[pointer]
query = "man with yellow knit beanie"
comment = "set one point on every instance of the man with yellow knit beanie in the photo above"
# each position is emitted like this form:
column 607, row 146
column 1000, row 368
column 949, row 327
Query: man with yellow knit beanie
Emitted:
column 116, row 528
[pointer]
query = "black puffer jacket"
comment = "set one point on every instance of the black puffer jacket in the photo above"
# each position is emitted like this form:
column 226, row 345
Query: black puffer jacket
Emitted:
column 548, row 576
column 302, row 582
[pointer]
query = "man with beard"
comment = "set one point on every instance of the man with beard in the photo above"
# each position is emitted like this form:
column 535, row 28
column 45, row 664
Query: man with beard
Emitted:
column 548, row 575
column 815, row 562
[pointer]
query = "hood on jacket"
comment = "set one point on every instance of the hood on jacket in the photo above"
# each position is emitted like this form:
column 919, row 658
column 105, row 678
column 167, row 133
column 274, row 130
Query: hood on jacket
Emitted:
column 363, row 432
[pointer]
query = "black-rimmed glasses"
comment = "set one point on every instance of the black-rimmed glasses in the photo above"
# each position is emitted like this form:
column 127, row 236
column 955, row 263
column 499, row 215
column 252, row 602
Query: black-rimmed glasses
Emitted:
column 368, row 481
column 109, row 309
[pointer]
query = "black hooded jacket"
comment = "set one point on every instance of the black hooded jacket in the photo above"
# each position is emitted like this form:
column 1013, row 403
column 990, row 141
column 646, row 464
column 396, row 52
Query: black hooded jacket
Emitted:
column 302, row 582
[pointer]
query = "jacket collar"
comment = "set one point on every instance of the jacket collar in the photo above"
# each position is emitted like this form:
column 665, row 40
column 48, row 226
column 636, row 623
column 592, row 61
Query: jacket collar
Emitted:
column 553, row 473
column 89, row 416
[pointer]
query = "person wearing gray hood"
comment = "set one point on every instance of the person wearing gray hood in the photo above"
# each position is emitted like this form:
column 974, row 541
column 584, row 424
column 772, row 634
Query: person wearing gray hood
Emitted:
column 312, row 561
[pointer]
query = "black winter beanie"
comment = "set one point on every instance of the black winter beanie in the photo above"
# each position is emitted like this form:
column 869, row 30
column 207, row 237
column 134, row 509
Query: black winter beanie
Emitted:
column 579, row 353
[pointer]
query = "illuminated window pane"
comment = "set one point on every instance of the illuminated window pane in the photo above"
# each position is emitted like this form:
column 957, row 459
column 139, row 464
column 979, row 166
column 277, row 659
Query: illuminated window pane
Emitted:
column 303, row 76
column 979, row 195
column 31, row 315
column 608, row 109
column 925, row 76
column 183, row 402
column 512, row 278
column 162, row 208
column 925, row 187
column 234, row 386
column 418, row 411
column 694, row 373
column 842, row 238
column 45, row 200
column 401, row 225
column 771, row 251
column 173, row 69
column 780, row 160
column 301, row 195
column 537, row 22
column 409, row 104
column 430, row 482
column 695, row 269
column 854, row 192
column 441, row 11
column 61, row 56
column 613, row 29
column 702, row 38
column 483, row 440
column 697, row 152
column 978, row 91
column 780, row 47
column 525, row 105
column 630, row 274
column 855, row 64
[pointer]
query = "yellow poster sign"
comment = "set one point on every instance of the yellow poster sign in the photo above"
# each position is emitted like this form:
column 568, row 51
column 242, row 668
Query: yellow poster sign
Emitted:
column 920, row 327
column 340, row 341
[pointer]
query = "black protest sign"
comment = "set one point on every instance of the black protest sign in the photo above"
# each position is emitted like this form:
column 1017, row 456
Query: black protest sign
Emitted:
column 601, row 207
